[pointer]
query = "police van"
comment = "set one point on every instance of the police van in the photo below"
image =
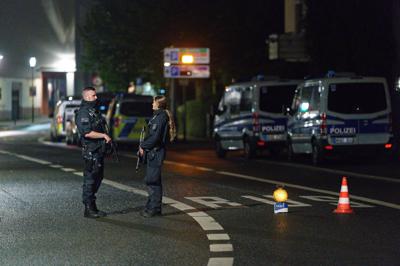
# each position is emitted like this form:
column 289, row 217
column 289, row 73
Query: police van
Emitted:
column 340, row 114
column 126, row 116
column 250, row 116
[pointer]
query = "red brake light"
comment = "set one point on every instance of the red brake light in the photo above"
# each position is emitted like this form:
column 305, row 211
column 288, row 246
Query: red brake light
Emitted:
column 117, row 121
column 388, row 146
column 328, row 147
column 256, row 123
column 261, row 143
column 323, row 127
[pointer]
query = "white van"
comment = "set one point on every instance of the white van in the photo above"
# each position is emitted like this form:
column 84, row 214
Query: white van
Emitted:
column 340, row 115
column 250, row 116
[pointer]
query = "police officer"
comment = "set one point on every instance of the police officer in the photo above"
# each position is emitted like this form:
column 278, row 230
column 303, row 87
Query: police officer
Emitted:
column 161, row 129
column 92, row 127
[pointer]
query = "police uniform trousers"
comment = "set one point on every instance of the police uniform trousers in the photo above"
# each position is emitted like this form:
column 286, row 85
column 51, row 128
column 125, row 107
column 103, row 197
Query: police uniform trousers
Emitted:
column 92, row 176
column 153, row 180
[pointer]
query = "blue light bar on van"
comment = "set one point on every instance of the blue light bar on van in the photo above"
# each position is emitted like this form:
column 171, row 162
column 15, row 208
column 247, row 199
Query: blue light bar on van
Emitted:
column 330, row 74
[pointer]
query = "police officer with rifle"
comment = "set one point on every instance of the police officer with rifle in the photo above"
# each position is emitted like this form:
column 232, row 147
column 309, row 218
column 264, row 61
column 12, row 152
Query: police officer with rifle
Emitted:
column 161, row 129
column 92, row 129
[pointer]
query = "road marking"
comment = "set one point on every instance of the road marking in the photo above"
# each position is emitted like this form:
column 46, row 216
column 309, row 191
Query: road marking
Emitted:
column 372, row 201
column 221, row 248
column 338, row 172
column 213, row 202
column 35, row 160
column 334, row 201
column 291, row 203
column 218, row 236
column 220, row 262
column 56, row 166
column 68, row 169
column 323, row 191
column 205, row 221
column 293, row 165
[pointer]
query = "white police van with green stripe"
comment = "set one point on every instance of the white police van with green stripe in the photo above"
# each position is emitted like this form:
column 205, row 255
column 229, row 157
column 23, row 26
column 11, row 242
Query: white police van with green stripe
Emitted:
column 336, row 115
column 250, row 116
column 126, row 116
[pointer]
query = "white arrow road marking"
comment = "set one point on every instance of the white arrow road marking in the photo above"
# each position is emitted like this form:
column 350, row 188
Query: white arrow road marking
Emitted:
column 213, row 202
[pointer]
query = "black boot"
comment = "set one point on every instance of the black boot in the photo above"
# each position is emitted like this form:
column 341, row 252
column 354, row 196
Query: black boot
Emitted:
column 90, row 212
column 100, row 213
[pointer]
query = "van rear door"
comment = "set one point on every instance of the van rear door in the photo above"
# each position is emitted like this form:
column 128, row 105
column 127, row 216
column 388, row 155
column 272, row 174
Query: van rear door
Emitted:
column 363, row 113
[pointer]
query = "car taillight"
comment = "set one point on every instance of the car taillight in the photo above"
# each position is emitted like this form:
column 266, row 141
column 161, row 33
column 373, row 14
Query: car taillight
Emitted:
column 323, row 127
column 388, row 146
column 117, row 121
column 59, row 119
column 256, row 123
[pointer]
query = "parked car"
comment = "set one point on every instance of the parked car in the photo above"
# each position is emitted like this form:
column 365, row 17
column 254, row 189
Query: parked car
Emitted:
column 63, row 112
column 335, row 115
column 126, row 116
column 72, row 133
column 251, row 117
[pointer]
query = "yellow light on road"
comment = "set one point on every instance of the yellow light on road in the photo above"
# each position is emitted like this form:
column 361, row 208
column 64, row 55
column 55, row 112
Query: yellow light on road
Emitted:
column 187, row 59
column 280, row 195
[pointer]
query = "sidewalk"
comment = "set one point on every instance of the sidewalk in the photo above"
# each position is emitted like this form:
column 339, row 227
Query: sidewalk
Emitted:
column 11, row 124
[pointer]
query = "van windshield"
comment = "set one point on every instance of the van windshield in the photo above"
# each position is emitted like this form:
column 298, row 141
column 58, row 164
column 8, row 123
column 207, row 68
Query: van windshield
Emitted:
column 274, row 98
column 356, row 98
column 136, row 108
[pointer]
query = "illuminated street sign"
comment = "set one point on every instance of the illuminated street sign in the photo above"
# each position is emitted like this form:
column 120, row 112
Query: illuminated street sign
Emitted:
column 187, row 71
column 175, row 55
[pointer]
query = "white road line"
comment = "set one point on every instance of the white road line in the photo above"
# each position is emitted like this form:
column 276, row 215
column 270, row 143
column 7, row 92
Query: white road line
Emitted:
column 208, row 223
column 218, row 237
column 221, row 248
column 68, row 169
column 198, row 214
column 338, row 172
column 293, row 165
column 205, row 221
column 323, row 191
column 31, row 159
column 56, row 166
column 220, row 262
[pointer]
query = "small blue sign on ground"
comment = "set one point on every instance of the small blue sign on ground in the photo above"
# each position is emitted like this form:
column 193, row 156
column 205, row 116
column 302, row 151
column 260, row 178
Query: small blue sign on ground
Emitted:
column 281, row 207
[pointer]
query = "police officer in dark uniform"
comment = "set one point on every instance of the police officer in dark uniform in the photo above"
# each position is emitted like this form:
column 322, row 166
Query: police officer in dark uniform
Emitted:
column 161, row 129
column 92, row 129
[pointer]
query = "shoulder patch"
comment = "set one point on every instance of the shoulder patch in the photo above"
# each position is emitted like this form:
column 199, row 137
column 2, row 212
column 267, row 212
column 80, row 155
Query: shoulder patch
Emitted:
column 85, row 120
column 154, row 126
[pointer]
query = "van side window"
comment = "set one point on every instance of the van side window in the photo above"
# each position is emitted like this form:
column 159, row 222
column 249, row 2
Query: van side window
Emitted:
column 246, row 100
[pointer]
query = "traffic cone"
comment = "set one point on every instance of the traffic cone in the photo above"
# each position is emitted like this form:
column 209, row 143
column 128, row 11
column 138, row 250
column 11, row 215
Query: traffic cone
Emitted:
column 344, row 200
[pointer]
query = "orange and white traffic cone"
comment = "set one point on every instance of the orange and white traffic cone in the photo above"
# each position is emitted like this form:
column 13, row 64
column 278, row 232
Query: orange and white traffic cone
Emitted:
column 344, row 200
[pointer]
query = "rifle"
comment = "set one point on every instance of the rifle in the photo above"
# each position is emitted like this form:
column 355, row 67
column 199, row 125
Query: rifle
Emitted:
column 111, row 147
column 141, row 138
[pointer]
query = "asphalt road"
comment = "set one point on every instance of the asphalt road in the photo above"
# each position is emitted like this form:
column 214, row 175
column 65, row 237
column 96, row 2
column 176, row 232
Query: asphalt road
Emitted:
column 216, row 211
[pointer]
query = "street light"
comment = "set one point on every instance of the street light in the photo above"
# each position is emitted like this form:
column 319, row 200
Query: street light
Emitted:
column 32, row 64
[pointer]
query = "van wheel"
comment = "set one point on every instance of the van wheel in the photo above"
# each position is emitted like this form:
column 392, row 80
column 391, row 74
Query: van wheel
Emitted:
column 249, row 149
column 221, row 153
column 317, row 155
